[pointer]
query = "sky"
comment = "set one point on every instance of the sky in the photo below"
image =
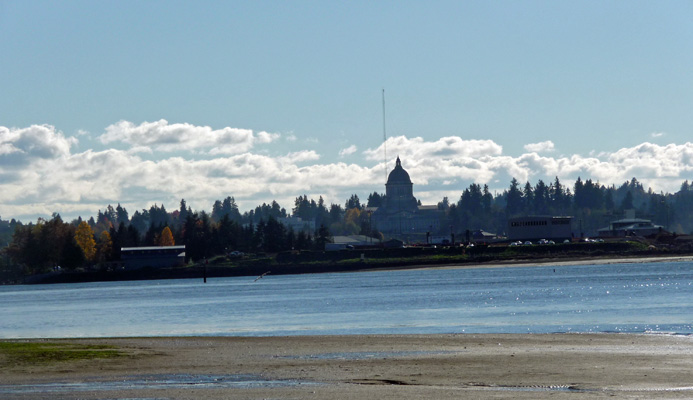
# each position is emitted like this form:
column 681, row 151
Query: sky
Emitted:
column 151, row 102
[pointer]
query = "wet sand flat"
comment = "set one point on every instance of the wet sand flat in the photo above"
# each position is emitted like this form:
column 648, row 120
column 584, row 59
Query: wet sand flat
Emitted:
column 485, row 366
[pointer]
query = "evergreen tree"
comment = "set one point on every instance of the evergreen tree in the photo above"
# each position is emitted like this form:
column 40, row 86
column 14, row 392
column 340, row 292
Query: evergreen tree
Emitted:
column 121, row 215
column 353, row 202
column 609, row 199
column 627, row 203
column 274, row 235
column 141, row 221
column 486, row 202
column 217, row 211
column 375, row 199
column 541, row 199
column 528, row 199
column 71, row 256
column 513, row 199
column 336, row 213
column 322, row 236
column 290, row 239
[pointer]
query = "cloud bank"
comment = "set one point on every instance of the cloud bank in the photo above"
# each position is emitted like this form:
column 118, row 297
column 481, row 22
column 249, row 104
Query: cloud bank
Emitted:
column 542, row 147
column 41, row 174
column 165, row 137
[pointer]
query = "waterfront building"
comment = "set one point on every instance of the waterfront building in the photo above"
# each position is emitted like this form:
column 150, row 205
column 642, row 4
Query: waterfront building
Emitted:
column 400, row 212
column 152, row 256
column 538, row 227
column 630, row 227
column 297, row 224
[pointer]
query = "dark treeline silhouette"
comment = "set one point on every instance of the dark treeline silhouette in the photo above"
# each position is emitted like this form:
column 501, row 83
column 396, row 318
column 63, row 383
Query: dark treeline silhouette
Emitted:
column 592, row 205
column 47, row 244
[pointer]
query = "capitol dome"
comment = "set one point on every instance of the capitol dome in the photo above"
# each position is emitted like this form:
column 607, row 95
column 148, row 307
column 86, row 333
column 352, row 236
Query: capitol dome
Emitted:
column 399, row 212
column 398, row 176
column 399, row 192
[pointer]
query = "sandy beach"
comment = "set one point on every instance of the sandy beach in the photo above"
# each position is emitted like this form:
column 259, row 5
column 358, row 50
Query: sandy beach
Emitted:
column 368, row 367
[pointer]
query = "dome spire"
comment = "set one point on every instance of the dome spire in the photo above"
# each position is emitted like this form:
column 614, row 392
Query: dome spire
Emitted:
column 398, row 175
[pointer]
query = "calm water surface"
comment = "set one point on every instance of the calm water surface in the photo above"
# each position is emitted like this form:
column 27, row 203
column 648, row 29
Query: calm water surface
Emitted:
column 650, row 297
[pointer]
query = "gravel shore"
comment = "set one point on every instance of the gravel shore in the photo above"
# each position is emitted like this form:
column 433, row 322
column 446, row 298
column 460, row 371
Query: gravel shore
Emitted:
column 399, row 367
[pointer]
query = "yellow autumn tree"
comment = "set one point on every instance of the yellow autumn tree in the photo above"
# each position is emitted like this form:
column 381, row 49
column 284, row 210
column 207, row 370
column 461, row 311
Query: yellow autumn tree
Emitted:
column 105, row 246
column 84, row 236
column 352, row 221
column 167, row 238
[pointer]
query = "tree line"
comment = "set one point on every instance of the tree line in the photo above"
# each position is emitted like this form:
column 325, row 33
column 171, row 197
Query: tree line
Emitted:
column 49, row 243
column 592, row 205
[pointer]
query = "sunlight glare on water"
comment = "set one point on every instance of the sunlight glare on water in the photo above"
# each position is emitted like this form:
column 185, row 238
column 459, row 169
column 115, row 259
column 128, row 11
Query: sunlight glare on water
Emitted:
column 587, row 298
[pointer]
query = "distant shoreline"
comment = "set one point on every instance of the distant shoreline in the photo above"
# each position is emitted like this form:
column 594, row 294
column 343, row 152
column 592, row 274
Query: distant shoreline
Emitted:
column 218, row 271
column 562, row 262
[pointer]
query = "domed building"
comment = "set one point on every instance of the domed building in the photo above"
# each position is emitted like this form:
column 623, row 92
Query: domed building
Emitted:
column 400, row 213
column 399, row 191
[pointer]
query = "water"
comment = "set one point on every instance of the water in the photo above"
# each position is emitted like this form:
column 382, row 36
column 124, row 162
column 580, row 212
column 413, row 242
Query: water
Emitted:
column 647, row 297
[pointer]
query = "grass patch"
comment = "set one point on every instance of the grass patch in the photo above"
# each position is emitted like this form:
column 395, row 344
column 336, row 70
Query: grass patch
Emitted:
column 50, row 352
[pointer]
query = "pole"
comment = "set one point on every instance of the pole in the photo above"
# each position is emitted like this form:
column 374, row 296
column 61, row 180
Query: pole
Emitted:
column 384, row 138
column 205, row 271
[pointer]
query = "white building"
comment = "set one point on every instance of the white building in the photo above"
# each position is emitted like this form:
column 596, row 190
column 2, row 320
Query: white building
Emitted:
column 297, row 224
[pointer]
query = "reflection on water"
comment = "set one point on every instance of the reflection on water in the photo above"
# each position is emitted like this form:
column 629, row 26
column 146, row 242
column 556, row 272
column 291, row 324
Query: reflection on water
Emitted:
column 139, row 382
column 649, row 297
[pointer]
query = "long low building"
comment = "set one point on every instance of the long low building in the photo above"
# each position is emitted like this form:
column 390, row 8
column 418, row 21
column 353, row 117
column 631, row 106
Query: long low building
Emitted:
column 630, row 227
column 153, row 256
column 351, row 242
column 540, row 227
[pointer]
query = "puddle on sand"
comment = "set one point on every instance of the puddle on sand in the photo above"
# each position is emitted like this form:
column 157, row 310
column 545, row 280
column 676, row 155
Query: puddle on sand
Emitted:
column 364, row 355
column 174, row 381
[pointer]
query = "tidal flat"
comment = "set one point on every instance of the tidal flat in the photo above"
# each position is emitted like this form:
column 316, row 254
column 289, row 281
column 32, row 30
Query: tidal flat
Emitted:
column 364, row 366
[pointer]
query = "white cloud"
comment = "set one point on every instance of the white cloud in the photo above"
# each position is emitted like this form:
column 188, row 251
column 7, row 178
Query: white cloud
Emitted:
column 348, row 151
column 162, row 136
column 140, row 149
column 300, row 156
column 52, row 178
column 657, row 134
column 20, row 146
column 541, row 147
column 418, row 149
column 266, row 137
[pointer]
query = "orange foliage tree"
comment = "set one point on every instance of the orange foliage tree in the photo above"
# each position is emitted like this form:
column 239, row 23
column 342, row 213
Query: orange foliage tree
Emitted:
column 167, row 238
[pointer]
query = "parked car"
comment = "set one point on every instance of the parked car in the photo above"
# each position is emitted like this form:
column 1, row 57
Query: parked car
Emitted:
column 235, row 254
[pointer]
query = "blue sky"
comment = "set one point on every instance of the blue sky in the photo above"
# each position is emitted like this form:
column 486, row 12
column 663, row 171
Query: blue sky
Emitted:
column 143, row 102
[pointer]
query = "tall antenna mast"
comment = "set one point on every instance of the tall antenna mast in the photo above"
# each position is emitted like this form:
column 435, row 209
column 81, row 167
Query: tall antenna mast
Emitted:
column 384, row 138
